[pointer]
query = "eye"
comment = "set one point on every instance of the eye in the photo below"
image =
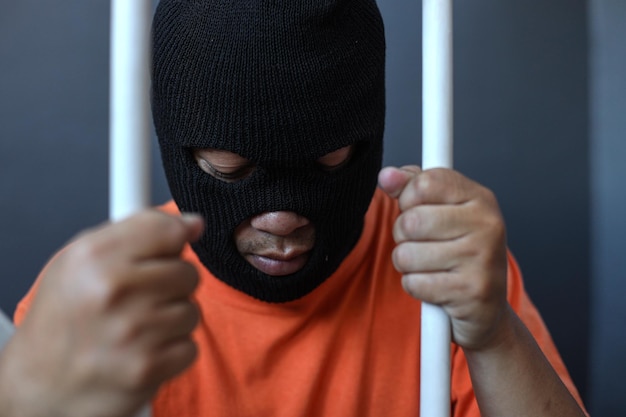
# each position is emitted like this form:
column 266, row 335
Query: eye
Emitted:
column 334, row 160
column 223, row 165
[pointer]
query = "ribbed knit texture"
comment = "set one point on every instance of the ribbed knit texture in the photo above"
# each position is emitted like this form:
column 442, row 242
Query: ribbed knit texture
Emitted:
column 281, row 83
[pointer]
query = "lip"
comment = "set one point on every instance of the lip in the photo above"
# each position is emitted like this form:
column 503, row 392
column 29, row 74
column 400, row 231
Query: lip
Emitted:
column 278, row 265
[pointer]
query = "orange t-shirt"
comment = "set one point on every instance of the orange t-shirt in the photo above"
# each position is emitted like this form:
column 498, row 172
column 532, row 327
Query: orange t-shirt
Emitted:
column 349, row 348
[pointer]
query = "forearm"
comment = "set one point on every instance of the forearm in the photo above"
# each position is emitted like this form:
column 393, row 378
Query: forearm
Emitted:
column 18, row 396
column 513, row 377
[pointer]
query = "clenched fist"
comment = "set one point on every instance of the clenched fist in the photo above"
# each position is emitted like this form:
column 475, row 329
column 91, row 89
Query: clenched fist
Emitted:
column 451, row 248
column 111, row 320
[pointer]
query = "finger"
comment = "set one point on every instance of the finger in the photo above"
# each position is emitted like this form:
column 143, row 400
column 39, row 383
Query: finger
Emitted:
column 438, row 186
column 433, row 223
column 392, row 180
column 461, row 297
column 417, row 257
column 171, row 321
column 149, row 329
column 145, row 235
column 143, row 284
column 150, row 370
column 412, row 169
column 174, row 358
column 439, row 288
column 158, row 234
column 166, row 280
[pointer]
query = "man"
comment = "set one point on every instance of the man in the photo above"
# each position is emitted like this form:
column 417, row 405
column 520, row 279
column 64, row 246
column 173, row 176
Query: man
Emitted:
column 270, row 120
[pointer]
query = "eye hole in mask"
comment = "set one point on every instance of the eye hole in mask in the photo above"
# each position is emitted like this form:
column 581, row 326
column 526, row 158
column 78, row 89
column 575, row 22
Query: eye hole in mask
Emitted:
column 230, row 167
column 336, row 160
column 224, row 165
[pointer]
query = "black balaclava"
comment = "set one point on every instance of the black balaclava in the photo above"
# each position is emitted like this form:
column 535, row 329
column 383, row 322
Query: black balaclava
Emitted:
column 281, row 83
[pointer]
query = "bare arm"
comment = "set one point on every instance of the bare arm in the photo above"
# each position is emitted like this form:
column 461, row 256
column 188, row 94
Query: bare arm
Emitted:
column 512, row 377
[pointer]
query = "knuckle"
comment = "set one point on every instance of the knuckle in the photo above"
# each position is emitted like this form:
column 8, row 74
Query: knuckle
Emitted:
column 409, row 224
column 139, row 372
column 494, row 232
column 398, row 233
column 173, row 227
column 84, row 272
column 423, row 185
column 104, row 290
column 163, row 223
column 128, row 331
column 400, row 257
column 188, row 317
column 432, row 177
column 97, row 280
column 152, row 217
column 490, row 201
column 189, row 352
column 490, row 219
column 408, row 285
column 87, row 251
column 418, row 286
column 193, row 314
column 88, row 366
column 428, row 182
column 489, row 196
column 497, row 227
column 189, row 274
column 180, row 357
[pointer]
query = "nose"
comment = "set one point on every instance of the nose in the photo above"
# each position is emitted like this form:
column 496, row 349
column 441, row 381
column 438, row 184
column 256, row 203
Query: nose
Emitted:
column 280, row 223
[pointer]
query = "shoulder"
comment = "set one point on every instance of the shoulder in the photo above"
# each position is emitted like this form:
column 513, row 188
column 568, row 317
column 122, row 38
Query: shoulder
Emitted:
column 169, row 207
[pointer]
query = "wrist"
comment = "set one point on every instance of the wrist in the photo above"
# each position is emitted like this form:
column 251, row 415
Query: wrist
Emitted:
column 503, row 337
column 7, row 399
column 19, row 396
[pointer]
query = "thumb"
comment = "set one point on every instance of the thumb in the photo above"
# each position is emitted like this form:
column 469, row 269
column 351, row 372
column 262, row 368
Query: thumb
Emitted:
column 194, row 224
column 392, row 180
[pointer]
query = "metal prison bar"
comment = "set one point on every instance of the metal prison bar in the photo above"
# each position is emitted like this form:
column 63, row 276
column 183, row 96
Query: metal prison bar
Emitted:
column 437, row 134
column 129, row 111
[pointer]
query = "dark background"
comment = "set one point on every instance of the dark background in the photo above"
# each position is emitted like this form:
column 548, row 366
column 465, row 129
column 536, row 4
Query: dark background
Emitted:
column 540, row 97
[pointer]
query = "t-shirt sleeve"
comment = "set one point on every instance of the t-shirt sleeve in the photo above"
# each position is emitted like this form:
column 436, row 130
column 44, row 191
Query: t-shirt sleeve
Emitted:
column 463, row 398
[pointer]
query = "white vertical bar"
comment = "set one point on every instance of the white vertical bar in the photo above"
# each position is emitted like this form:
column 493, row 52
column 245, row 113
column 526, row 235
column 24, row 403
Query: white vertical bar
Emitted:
column 129, row 124
column 436, row 152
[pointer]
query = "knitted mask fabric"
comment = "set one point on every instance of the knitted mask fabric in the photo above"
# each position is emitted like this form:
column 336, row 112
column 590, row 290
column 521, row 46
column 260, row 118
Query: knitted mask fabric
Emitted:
column 281, row 83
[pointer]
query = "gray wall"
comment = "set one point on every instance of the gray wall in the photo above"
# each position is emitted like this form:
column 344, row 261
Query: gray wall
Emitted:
column 521, row 120
column 608, row 172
